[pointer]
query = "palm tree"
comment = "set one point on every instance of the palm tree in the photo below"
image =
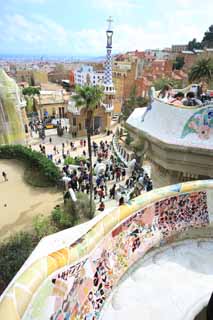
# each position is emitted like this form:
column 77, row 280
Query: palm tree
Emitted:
column 202, row 71
column 89, row 97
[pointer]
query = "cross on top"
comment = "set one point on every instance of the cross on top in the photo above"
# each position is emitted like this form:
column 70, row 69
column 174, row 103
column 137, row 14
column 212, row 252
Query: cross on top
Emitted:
column 110, row 23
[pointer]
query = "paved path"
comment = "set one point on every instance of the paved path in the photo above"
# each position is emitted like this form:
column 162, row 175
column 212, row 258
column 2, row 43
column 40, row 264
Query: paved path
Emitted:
column 19, row 202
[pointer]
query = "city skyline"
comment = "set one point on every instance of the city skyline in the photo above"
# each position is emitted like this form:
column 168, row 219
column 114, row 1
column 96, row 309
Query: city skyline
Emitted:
column 47, row 27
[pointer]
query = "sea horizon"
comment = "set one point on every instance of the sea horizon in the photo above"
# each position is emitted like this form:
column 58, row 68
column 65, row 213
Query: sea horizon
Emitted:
column 49, row 57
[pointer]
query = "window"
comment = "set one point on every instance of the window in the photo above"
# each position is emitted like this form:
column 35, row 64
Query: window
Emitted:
column 74, row 122
column 79, row 126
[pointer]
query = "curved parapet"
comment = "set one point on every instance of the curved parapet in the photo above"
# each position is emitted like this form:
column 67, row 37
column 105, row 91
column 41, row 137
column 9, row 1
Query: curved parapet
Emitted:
column 175, row 125
column 11, row 123
column 75, row 281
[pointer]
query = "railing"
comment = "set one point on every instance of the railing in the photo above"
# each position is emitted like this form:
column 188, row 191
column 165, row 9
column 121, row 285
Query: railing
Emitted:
column 108, row 107
column 121, row 153
column 76, row 281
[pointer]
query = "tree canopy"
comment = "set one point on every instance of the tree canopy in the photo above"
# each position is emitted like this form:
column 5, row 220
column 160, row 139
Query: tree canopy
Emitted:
column 178, row 63
column 202, row 70
column 88, row 96
column 207, row 41
column 160, row 83
column 208, row 38
column 133, row 102
column 194, row 44
column 31, row 91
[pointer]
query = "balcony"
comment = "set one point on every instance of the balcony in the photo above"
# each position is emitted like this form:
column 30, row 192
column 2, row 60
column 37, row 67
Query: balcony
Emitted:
column 108, row 107
column 109, row 90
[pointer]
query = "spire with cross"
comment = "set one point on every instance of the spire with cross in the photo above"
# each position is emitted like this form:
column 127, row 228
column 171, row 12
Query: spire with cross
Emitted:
column 109, row 88
column 109, row 20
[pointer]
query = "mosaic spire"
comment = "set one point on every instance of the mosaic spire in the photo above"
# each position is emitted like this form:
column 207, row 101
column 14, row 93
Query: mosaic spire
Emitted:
column 108, row 84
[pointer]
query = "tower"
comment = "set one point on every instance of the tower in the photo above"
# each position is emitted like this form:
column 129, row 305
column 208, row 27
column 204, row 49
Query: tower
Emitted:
column 109, row 89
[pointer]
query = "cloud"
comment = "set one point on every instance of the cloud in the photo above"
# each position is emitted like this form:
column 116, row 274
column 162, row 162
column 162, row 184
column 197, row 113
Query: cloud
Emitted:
column 184, row 3
column 117, row 4
column 125, row 38
column 35, row 33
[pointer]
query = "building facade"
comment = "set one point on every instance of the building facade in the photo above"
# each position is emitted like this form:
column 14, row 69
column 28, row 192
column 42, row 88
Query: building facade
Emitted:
column 86, row 74
column 78, row 120
column 176, row 48
column 124, row 76
column 32, row 77
column 52, row 103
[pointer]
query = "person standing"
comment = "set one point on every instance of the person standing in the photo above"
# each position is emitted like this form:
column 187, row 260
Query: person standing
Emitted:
column 4, row 175
column 121, row 201
column 101, row 193
column 118, row 174
column 112, row 192
column 123, row 172
column 101, row 206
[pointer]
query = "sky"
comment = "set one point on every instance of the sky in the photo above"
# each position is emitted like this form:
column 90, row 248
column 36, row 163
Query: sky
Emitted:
column 77, row 27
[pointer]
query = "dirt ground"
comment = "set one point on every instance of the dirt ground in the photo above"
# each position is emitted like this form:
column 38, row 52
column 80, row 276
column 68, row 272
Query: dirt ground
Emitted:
column 19, row 202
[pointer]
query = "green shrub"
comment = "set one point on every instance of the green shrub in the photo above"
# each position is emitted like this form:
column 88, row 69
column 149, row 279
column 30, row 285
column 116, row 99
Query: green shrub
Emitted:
column 32, row 159
column 13, row 254
column 79, row 209
column 62, row 219
column 74, row 161
column 56, row 215
column 67, row 220
column 128, row 139
column 43, row 227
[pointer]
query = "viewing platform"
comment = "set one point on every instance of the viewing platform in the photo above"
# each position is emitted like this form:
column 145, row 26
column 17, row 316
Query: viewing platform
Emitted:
column 178, row 140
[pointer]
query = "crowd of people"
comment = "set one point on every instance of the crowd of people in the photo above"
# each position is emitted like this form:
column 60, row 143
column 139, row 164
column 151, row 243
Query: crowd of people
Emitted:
column 108, row 179
column 197, row 96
